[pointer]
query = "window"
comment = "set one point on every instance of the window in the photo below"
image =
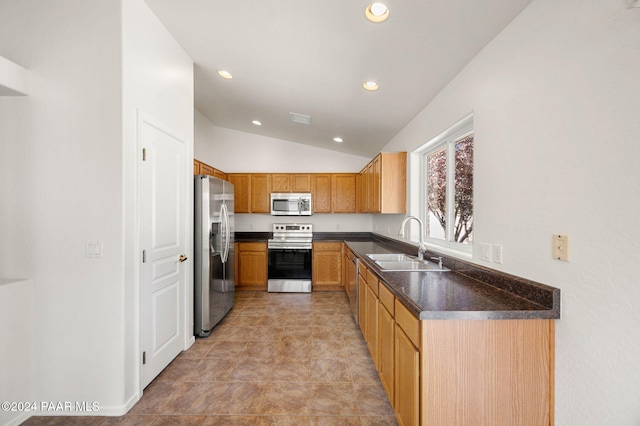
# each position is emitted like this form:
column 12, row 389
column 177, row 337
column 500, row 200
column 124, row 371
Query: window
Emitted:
column 447, row 187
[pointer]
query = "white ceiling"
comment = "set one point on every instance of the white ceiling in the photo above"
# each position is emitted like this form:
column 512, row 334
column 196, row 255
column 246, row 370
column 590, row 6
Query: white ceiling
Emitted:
column 311, row 58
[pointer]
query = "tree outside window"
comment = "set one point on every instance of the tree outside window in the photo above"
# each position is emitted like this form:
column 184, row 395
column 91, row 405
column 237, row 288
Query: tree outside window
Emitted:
column 449, row 190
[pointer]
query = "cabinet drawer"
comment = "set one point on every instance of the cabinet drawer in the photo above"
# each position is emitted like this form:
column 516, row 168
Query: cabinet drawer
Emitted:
column 372, row 282
column 362, row 270
column 327, row 246
column 386, row 298
column 253, row 246
column 408, row 323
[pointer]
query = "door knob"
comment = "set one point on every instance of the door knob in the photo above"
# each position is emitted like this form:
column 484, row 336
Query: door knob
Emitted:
column 182, row 258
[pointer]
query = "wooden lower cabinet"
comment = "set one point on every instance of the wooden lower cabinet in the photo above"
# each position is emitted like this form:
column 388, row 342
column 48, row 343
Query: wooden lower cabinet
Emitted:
column 362, row 304
column 326, row 268
column 490, row 372
column 457, row 372
column 251, row 265
column 406, row 401
column 371, row 318
column 386, row 339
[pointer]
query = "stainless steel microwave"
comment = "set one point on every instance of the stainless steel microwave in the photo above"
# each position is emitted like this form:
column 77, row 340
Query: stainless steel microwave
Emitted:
column 291, row 204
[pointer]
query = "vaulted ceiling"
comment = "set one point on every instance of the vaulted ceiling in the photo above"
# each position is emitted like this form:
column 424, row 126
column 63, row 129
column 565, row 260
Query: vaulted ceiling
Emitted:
column 312, row 57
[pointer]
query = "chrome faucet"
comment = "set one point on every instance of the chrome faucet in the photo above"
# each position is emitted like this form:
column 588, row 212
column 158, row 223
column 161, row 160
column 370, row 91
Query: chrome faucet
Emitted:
column 422, row 247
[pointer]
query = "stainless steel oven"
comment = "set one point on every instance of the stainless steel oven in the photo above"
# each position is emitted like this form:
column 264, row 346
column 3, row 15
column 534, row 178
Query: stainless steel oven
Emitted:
column 289, row 253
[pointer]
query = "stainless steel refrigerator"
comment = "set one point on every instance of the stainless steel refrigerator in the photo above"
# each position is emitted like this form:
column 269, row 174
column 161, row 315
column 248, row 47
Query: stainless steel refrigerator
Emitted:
column 214, row 287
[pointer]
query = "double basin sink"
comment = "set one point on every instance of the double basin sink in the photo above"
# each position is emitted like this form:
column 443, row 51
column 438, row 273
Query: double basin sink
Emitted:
column 404, row 262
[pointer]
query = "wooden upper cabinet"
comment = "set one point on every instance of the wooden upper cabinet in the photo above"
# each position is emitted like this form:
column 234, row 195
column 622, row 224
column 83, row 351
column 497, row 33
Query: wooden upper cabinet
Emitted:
column 383, row 184
column 280, row 182
column 376, row 177
column 200, row 168
column 301, row 182
column 321, row 192
column 295, row 182
column 359, row 190
column 260, row 193
column 379, row 188
column 206, row 169
column 343, row 187
column 242, row 191
column 219, row 174
column 393, row 182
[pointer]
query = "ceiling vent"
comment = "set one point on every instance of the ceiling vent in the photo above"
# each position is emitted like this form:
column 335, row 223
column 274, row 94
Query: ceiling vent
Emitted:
column 300, row 118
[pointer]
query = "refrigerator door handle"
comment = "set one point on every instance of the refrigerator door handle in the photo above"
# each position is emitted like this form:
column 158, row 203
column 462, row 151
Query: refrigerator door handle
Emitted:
column 224, row 213
column 212, row 249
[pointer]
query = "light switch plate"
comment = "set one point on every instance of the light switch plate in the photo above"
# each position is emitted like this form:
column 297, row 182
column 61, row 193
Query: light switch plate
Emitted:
column 496, row 253
column 485, row 252
column 560, row 248
column 94, row 249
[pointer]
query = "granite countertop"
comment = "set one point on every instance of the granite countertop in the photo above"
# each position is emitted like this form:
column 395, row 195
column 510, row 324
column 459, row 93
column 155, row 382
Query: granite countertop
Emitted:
column 459, row 295
column 468, row 291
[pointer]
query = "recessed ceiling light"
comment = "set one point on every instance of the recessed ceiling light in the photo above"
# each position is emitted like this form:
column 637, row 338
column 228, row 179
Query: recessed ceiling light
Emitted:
column 257, row 123
column 377, row 12
column 337, row 139
column 225, row 74
column 370, row 85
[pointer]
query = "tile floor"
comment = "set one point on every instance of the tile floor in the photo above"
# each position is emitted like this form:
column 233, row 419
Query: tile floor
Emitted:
column 276, row 359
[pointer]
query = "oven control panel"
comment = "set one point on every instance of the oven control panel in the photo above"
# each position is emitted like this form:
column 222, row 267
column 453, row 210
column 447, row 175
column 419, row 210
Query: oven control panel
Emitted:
column 291, row 236
column 292, row 228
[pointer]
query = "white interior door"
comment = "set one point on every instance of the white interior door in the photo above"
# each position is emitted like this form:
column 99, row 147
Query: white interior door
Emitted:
column 163, row 242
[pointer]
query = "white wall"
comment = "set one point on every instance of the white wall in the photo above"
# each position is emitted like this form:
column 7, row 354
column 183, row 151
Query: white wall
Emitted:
column 66, row 170
column 234, row 151
column 16, row 335
column 555, row 99
column 158, row 83
column 61, row 168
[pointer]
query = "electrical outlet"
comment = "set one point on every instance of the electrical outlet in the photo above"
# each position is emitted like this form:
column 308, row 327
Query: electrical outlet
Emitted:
column 485, row 252
column 560, row 248
column 496, row 253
